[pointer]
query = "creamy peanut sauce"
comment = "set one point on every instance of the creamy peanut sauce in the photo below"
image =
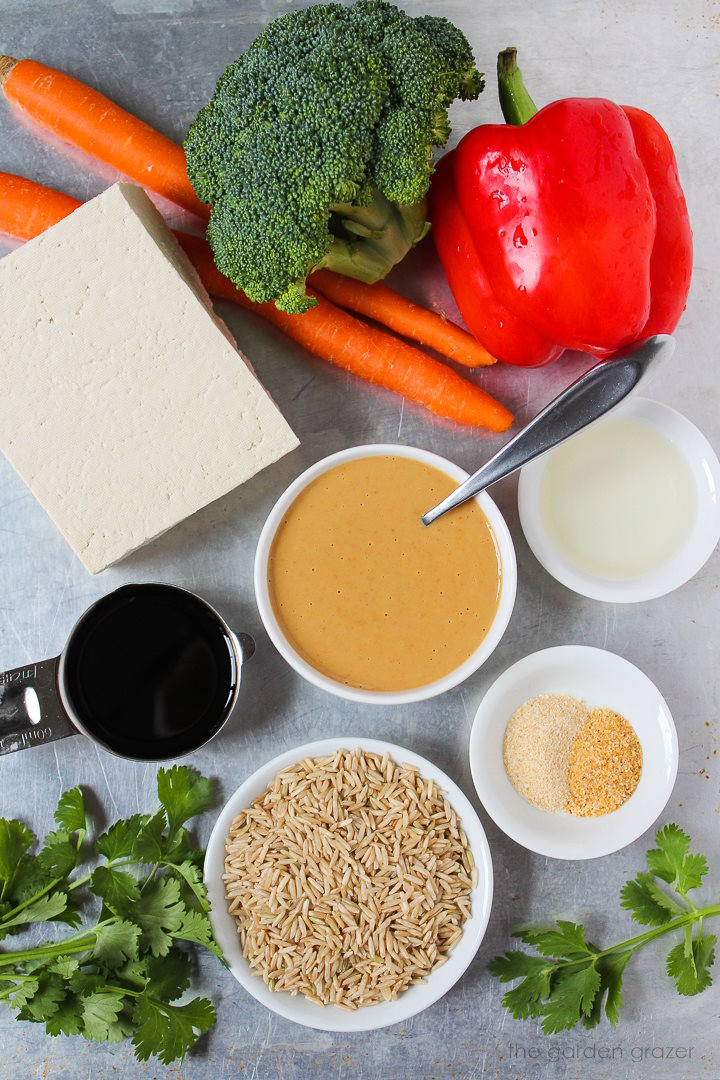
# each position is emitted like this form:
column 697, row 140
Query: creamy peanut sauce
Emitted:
column 370, row 596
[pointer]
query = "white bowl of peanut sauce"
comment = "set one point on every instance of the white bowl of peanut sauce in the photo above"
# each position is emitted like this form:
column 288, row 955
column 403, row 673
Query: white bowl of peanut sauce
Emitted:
column 365, row 601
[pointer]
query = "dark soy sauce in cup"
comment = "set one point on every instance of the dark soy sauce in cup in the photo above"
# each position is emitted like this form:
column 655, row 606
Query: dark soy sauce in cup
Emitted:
column 150, row 671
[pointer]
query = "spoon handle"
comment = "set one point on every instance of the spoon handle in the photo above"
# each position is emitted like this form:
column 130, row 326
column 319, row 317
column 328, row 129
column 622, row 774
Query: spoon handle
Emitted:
column 586, row 400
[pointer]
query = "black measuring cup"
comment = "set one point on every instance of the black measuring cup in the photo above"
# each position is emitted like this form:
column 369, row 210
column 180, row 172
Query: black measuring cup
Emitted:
column 150, row 672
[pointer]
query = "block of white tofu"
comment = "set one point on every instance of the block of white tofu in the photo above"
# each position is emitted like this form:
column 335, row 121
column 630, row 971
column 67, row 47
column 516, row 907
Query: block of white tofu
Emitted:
column 126, row 405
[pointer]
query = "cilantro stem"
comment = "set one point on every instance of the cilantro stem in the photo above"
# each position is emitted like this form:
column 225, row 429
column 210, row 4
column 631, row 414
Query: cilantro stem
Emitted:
column 121, row 991
column 27, row 903
column 79, row 943
column 150, row 876
column 78, row 882
column 634, row 943
column 686, row 898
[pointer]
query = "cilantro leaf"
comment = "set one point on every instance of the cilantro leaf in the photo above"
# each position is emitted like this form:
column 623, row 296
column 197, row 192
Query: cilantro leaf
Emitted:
column 612, row 968
column 665, row 861
column 59, row 854
column 196, row 926
column 67, row 1018
column 65, row 966
column 638, row 897
column 122, row 1027
column 30, row 879
column 169, row 976
column 691, row 968
column 182, row 848
column 43, row 910
column 673, row 862
column 568, row 940
column 99, row 1012
column 46, row 999
column 661, row 897
column 694, row 869
column 83, row 982
column 118, row 841
column 594, row 1017
column 149, row 845
column 193, row 878
column 184, row 793
column 135, row 972
column 169, row 1030
column 117, row 888
column 572, row 995
column 515, row 965
column 72, row 913
column 31, row 966
column 159, row 913
column 116, row 942
column 525, row 1000
column 23, row 993
column 71, row 813
column 15, row 842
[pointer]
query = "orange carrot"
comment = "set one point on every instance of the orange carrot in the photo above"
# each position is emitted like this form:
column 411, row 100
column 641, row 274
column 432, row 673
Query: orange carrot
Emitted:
column 27, row 209
column 388, row 361
column 91, row 122
column 384, row 305
column 329, row 332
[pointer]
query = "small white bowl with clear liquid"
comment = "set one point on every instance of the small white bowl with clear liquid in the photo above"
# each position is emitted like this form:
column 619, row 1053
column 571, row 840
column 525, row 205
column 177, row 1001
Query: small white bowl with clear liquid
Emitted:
column 627, row 510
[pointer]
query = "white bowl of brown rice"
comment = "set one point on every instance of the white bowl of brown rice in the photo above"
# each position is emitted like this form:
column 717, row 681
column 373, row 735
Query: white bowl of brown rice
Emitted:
column 519, row 758
column 350, row 882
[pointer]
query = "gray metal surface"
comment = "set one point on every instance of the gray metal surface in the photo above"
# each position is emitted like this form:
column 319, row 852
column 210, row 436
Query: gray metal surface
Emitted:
column 161, row 58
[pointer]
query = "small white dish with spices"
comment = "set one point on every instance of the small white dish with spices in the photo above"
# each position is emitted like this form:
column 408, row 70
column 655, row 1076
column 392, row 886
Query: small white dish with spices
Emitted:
column 603, row 681
column 297, row 1007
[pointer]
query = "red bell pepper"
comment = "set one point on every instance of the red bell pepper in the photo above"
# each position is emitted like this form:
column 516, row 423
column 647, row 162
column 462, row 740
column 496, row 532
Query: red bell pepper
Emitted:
column 564, row 229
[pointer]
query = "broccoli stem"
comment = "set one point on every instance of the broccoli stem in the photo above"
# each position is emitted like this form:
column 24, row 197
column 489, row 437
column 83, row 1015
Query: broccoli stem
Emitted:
column 370, row 240
column 516, row 104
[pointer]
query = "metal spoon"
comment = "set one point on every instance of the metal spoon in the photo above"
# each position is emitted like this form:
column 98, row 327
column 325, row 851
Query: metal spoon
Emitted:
column 587, row 399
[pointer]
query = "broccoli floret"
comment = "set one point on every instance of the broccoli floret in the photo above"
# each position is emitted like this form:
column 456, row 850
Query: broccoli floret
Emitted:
column 316, row 148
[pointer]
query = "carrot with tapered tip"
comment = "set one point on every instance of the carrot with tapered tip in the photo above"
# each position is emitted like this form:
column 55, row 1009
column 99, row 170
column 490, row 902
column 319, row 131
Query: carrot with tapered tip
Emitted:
column 397, row 313
column 91, row 122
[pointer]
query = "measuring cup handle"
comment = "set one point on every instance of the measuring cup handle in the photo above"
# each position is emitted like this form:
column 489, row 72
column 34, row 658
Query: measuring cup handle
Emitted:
column 247, row 646
column 30, row 710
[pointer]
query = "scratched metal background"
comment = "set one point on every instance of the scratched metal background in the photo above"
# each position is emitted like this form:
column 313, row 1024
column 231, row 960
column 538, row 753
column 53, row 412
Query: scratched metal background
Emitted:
column 161, row 58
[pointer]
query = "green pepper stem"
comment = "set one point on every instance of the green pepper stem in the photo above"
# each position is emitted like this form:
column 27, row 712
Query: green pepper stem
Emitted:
column 516, row 104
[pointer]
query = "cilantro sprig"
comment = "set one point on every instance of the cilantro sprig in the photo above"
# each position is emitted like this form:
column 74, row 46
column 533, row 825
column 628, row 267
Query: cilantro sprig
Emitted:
column 571, row 980
column 123, row 975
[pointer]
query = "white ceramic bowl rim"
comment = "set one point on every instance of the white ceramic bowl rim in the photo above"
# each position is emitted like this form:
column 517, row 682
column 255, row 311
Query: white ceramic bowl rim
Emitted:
column 468, row 667
column 704, row 464
column 602, row 679
column 415, row 998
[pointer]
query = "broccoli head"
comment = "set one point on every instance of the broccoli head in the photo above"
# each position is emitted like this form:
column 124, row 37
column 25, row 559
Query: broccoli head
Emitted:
column 316, row 148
